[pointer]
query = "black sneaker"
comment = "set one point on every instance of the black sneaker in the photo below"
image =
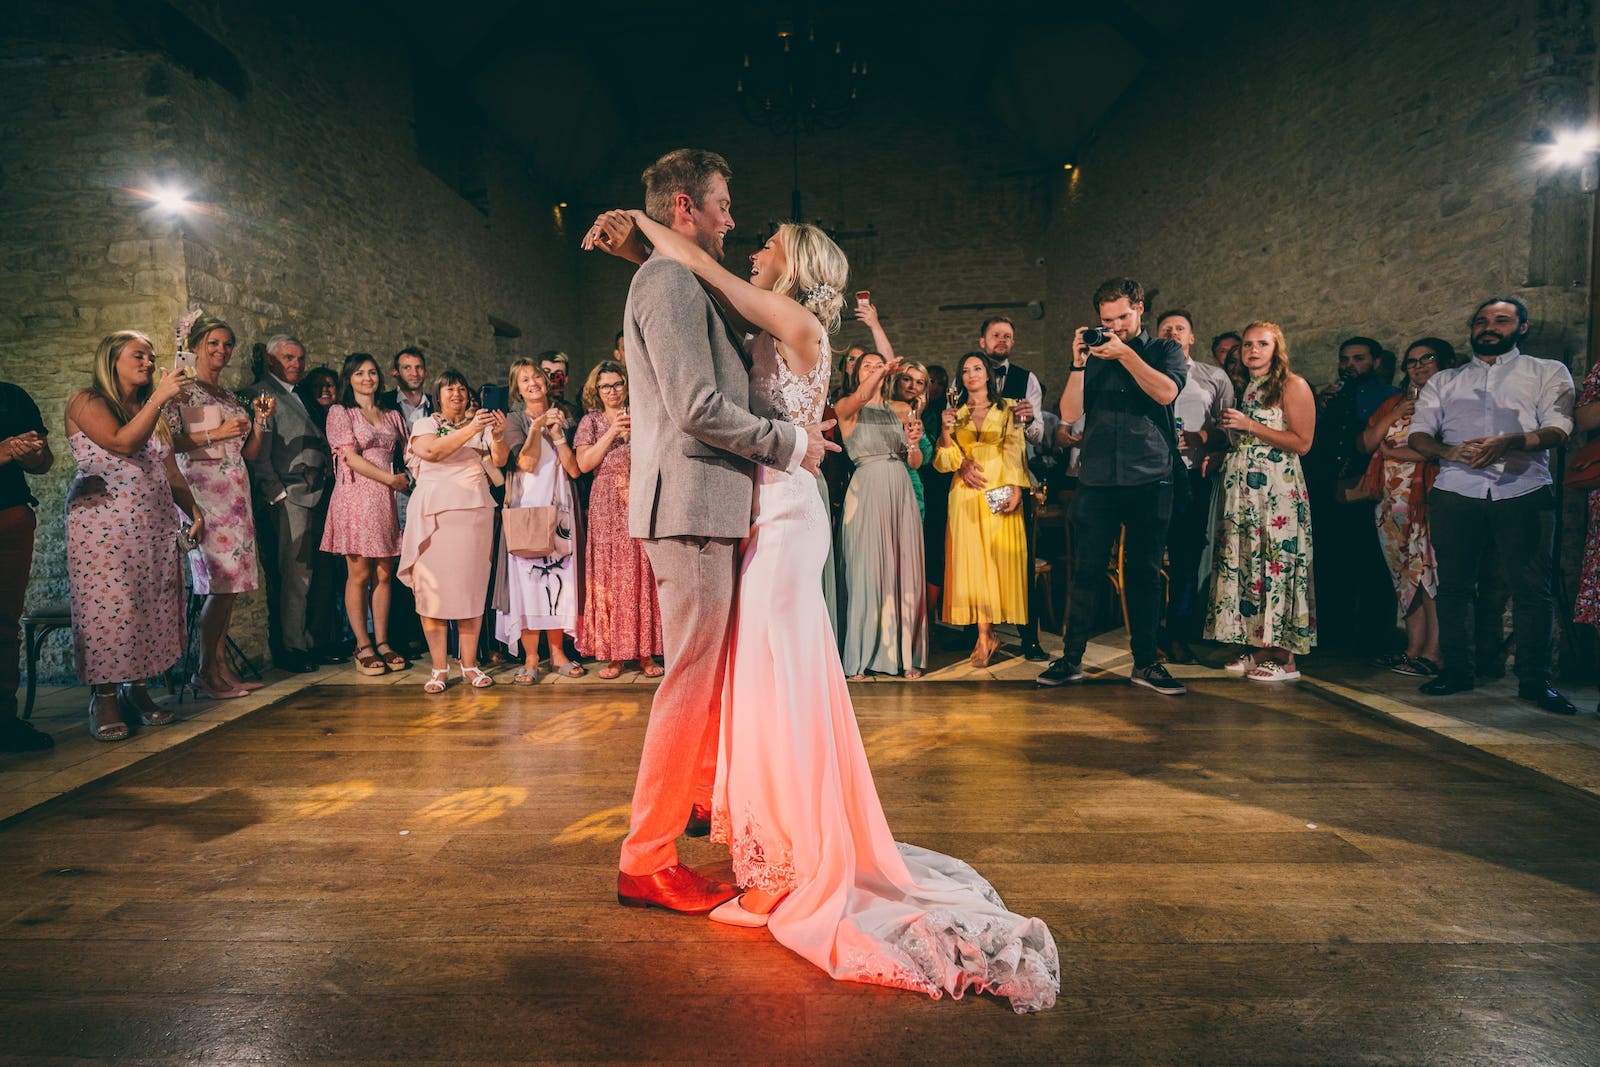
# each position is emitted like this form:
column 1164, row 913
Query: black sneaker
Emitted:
column 1156, row 677
column 1035, row 654
column 19, row 736
column 1063, row 671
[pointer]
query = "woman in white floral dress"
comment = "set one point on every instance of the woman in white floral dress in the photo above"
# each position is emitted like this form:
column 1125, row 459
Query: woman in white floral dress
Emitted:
column 1261, row 594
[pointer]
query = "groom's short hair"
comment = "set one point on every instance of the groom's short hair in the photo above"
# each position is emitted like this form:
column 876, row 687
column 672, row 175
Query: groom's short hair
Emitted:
column 683, row 170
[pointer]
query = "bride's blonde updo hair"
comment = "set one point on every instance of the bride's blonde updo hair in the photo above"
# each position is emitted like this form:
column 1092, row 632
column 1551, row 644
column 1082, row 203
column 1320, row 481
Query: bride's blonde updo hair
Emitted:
column 816, row 273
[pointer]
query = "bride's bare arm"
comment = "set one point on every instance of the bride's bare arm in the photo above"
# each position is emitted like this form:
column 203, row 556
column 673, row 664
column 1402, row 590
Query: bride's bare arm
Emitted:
column 781, row 316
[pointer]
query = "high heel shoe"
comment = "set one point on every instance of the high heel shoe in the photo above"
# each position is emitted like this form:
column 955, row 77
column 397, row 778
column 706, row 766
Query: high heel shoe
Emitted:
column 104, row 707
column 204, row 689
column 137, row 700
column 732, row 913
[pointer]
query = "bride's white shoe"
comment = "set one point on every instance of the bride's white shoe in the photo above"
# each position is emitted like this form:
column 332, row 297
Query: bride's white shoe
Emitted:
column 732, row 913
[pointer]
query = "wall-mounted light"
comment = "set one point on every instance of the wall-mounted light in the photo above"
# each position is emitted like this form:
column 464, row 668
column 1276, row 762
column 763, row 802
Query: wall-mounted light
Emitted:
column 1066, row 166
column 1573, row 148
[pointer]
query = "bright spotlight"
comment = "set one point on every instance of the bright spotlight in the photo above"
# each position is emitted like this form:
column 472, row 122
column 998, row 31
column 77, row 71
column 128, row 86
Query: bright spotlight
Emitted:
column 1574, row 147
column 170, row 199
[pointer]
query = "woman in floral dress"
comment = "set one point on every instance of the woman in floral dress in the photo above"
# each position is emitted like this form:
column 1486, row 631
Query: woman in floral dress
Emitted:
column 122, row 535
column 1261, row 589
column 214, row 436
column 1587, row 417
column 621, row 619
column 363, row 526
column 1402, row 509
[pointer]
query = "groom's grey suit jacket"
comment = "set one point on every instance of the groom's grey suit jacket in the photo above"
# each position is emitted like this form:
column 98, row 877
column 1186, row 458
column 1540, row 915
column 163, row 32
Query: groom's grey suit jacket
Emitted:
column 695, row 443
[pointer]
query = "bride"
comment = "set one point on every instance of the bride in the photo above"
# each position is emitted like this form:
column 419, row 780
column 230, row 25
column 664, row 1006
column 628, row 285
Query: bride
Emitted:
column 794, row 799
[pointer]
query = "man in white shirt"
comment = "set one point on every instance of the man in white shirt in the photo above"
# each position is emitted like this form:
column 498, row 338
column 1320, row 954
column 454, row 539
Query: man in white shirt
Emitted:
column 1491, row 424
column 1206, row 394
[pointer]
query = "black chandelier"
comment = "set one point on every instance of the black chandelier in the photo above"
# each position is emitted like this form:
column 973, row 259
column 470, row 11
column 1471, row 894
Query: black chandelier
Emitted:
column 796, row 79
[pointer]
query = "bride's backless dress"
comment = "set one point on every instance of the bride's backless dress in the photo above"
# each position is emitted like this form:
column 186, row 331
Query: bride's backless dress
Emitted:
column 795, row 801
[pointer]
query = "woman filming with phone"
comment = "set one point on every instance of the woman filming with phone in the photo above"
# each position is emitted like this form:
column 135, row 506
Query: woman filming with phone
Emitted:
column 539, row 594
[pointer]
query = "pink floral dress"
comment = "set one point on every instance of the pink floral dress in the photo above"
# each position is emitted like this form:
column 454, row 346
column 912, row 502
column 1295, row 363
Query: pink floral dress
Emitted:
column 362, row 518
column 621, row 619
column 225, row 562
column 1588, row 604
column 1261, row 592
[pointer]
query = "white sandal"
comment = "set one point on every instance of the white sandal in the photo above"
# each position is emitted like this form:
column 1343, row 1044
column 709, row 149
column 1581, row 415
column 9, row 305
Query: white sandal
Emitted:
column 1243, row 665
column 1273, row 671
column 437, row 680
column 475, row 677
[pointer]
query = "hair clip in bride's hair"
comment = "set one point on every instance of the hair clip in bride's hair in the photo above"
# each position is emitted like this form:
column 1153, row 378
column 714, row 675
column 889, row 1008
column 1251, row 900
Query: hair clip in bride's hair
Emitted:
column 819, row 294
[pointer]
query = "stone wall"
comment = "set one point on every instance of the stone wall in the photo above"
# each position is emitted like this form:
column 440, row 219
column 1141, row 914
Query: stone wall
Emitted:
column 310, row 214
column 959, row 209
column 1347, row 168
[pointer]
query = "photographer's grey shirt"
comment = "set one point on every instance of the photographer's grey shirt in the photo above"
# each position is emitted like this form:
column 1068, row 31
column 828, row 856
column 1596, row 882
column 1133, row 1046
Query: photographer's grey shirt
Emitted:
column 1126, row 434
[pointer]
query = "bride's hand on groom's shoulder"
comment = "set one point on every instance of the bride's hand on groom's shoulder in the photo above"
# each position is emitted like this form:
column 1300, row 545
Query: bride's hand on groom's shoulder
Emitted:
column 615, row 232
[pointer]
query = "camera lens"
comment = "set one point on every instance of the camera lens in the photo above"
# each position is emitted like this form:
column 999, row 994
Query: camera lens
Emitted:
column 1095, row 336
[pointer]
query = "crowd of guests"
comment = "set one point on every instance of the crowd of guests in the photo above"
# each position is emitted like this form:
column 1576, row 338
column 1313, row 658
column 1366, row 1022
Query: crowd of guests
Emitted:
column 468, row 523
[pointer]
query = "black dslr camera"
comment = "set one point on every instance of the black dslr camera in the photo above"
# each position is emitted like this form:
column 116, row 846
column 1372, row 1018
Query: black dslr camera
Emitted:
column 1095, row 336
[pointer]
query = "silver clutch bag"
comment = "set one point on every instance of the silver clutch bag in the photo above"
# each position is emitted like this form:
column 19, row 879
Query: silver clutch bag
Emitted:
column 998, row 498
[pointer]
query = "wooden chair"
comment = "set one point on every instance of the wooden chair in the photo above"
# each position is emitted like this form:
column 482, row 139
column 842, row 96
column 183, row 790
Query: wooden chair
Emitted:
column 1114, row 575
column 37, row 625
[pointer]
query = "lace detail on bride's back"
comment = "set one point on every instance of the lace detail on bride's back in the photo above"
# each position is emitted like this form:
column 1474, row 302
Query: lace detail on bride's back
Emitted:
column 778, row 393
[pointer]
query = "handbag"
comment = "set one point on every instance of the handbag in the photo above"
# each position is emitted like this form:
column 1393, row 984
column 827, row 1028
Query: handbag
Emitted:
column 1583, row 467
column 531, row 531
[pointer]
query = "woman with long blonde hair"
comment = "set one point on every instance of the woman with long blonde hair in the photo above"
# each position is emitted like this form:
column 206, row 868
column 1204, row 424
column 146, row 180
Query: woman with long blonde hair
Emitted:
column 123, row 558
column 1261, row 593
column 794, row 798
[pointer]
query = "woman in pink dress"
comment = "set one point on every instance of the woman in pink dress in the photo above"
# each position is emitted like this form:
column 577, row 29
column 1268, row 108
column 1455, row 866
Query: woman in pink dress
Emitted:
column 122, row 535
column 368, row 446
column 621, row 619
column 1586, row 416
column 214, row 436
column 794, row 798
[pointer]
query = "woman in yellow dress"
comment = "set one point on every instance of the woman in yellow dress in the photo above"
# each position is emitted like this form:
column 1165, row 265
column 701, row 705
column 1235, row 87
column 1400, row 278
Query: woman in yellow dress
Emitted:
column 986, row 546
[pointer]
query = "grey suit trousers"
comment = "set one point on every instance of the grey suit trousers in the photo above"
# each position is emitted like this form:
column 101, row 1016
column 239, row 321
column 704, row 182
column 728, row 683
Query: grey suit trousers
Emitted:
column 298, row 532
column 695, row 579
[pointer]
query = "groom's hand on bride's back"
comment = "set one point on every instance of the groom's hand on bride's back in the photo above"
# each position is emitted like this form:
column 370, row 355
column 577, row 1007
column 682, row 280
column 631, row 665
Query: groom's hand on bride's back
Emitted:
column 817, row 445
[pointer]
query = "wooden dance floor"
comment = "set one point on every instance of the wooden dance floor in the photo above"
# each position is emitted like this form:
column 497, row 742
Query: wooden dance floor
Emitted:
column 364, row 874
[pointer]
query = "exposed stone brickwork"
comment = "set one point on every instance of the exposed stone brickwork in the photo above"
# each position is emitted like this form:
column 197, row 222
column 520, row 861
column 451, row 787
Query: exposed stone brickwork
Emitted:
column 313, row 217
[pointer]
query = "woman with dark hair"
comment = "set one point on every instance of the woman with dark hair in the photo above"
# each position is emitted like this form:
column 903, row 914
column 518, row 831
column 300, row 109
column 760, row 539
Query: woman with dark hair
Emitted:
column 1402, row 509
column 368, row 446
column 318, row 391
column 213, row 437
column 123, row 560
column 880, row 535
column 986, row 546
column 449, row 534
column 1261, row 594
column 540, row 595
column 621, row 619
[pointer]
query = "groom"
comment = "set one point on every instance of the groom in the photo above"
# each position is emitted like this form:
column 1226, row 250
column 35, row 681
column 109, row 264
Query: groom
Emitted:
column 695, row 449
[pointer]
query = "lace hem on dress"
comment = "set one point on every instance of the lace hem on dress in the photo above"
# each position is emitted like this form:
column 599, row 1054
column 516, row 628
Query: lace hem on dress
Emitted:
column 753, row 866
column 946, row 952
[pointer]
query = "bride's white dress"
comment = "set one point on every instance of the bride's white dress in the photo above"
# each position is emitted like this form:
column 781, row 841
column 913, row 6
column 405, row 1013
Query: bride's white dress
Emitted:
column 794, row 799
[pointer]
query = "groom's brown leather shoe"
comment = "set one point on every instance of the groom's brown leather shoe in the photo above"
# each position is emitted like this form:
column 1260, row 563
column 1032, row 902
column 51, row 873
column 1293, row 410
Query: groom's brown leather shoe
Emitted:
column 675, row 888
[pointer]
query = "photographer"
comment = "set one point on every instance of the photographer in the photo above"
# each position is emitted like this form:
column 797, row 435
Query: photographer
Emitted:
column 1124, row 383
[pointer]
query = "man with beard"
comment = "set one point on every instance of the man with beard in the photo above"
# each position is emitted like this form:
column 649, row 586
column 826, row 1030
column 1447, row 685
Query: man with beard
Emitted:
column 996, row 338
column 1491, row 424
column 1124, row 387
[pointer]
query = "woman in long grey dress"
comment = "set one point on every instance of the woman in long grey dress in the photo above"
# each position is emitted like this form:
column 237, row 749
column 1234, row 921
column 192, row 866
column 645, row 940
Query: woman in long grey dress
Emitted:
column 886, row 610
